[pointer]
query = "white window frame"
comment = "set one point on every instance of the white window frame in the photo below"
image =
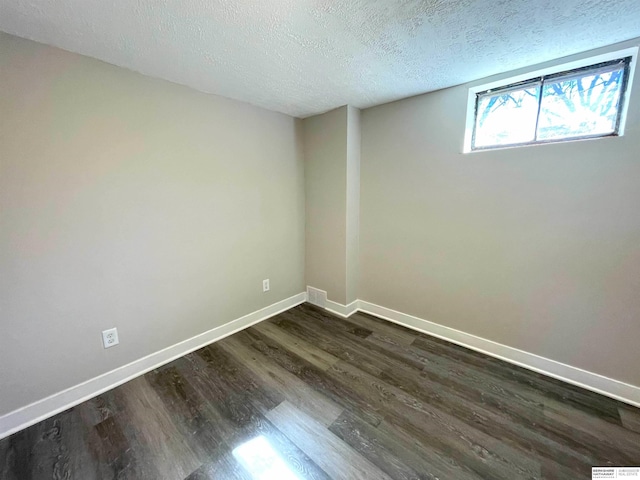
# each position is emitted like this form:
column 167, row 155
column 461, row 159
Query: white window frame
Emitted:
column 506, row 81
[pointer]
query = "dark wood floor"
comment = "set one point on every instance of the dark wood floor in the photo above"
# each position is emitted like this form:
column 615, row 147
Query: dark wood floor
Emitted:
column 309, row 395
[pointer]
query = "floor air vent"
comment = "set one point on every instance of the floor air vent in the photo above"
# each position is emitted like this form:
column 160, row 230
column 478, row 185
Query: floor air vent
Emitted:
column 317, row 297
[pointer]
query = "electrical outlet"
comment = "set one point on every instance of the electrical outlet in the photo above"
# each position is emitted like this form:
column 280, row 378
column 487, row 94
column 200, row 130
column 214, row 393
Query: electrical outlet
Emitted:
column 265, row 285
column 110, row 337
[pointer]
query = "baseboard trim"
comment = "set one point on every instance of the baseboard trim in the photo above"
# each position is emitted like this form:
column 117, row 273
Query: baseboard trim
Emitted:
column 576, row 376
column 318, row 297
column 342, row 310
column 33, row 413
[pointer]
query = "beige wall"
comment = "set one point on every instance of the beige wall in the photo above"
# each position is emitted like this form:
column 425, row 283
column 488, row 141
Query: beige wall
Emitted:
column 537, row 248
column 353, row 204
column 134, row 203
column 332, row 188
column 325, row 152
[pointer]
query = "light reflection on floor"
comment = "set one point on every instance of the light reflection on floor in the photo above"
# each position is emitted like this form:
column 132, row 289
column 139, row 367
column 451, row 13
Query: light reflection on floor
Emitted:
column 262, row 461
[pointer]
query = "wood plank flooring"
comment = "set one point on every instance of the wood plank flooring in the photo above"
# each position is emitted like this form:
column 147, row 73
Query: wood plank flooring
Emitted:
column 307, row 395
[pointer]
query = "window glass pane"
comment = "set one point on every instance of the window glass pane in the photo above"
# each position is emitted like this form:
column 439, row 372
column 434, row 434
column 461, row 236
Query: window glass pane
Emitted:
column 586, row 105
column 507, row 117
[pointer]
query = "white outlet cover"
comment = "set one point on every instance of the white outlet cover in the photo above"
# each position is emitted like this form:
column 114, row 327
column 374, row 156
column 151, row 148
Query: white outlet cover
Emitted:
column 265, row 285
column 110, row 338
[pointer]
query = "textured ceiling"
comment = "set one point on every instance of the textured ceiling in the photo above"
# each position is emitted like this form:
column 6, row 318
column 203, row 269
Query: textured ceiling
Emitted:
column 304, row 57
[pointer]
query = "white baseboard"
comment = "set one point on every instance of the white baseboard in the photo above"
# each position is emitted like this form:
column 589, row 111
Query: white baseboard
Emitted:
column 40, row 410
column 576, row 376
column 582, row 378
column 342, row 310
column 318, row 297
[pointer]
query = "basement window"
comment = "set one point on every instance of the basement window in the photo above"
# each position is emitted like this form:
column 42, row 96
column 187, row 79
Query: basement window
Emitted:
column 586, row 99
